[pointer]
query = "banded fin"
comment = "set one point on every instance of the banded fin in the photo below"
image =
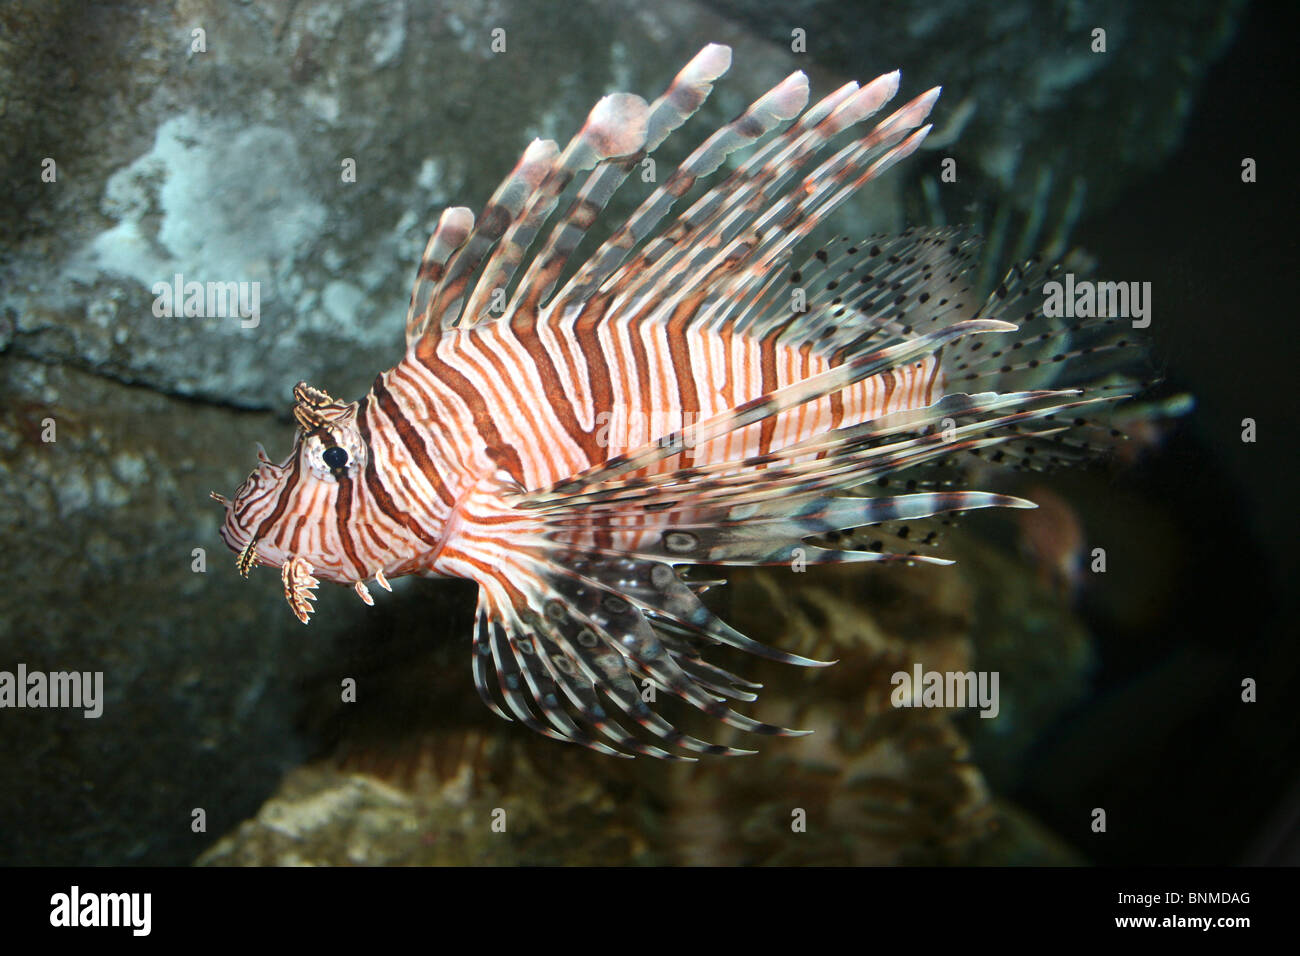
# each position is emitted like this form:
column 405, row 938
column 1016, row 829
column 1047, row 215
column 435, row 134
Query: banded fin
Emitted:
column 615, row 127
column 781, row 103
column 724, row 250
column 567, row 638
column 575, row 620
column 618, row 133
column 911, row 537
column 454, row 227
column 876, row 289
column 1102, row 356
column 711, row 534
column 684, row 96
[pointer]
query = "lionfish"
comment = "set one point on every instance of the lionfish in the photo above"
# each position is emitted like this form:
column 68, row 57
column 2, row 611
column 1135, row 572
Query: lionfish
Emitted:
column 689, row 396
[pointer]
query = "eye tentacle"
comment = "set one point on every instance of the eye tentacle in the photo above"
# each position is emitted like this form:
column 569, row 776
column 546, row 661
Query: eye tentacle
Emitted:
column 331, row 440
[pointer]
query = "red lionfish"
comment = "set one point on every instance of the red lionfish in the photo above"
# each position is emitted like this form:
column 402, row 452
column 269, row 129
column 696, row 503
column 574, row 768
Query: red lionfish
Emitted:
column 674, row 403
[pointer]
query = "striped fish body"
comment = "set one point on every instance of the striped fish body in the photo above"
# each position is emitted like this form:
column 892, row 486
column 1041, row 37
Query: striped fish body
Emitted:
column 687, row 396
column 551, row 401
column 488, row 406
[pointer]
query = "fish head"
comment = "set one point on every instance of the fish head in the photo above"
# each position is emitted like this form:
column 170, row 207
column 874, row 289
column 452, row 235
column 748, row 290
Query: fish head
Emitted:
column 293, row 515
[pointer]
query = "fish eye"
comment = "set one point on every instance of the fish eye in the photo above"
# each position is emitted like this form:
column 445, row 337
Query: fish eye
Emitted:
column 332, row 454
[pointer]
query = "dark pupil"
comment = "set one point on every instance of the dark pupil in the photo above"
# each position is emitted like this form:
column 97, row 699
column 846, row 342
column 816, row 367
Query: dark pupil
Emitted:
column 335, row 457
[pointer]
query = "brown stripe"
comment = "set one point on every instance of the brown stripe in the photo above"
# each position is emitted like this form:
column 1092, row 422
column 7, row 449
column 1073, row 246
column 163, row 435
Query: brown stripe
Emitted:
column 297, row 532
column 728, row 381
column 525, row 333
column 837, row 398
column 503, row 454
column 641, row 362
column 383, row 499
column 373, row 544
column 679, row 350
column 593, row 356
column 254, row 500
column 890, row 383
column 343, row 509
column 485, row 568
column 934, row 377
column 283, row 501
column 411, row 439
column 767, row 365
column 544, row 456
column 679, row 183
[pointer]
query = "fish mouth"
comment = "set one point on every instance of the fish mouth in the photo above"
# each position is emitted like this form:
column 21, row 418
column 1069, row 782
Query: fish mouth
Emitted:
column 266, row 474
column 235, row 537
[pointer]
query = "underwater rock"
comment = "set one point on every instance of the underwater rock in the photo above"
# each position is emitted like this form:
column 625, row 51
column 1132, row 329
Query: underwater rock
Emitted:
column 299, row 160
column 875, row 784
column 100, row 528
column 468, row 798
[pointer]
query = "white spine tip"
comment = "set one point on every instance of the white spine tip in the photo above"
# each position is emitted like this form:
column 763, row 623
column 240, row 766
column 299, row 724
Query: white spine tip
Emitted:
column 617, row 124
column 713, row 60
column 540, row 149
column 886, row 86
column 787, row 99
column 456, row 217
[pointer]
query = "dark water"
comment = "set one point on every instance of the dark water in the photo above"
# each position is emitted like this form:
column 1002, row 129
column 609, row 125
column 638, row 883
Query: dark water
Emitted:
column 1206, row 779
